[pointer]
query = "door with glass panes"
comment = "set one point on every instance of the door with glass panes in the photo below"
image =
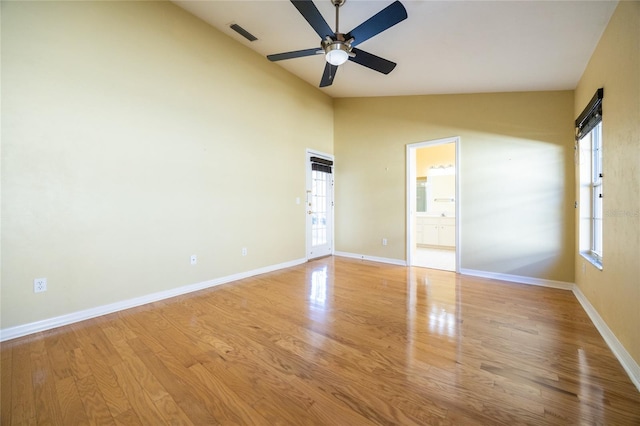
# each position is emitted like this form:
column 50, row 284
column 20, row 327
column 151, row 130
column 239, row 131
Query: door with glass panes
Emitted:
column 319, row 205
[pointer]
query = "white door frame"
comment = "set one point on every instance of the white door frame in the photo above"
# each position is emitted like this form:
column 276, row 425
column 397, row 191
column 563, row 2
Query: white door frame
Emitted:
column 313, row 153
column 411, row 193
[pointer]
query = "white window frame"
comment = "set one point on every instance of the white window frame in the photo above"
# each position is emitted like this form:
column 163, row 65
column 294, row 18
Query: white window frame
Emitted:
column 591, row 196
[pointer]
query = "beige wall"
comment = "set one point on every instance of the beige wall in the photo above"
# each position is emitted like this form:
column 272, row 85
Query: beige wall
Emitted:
column 135, row 135
column 516, row 176
column 615, row 66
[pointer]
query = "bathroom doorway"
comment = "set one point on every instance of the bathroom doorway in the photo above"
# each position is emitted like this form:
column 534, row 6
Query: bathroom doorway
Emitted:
column 433, row 204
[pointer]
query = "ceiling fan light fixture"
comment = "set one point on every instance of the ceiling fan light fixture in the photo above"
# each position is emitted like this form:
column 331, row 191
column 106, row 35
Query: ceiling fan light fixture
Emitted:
column 337, row 53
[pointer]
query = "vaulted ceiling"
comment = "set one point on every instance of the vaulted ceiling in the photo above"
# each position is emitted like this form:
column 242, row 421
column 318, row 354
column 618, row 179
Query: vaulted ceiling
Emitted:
column 442, row 47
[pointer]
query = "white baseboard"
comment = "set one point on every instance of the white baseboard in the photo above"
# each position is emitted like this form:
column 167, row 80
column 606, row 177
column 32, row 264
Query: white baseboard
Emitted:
column 399, row 262
column 518, row 279
column 628, row 363
column 48, row 324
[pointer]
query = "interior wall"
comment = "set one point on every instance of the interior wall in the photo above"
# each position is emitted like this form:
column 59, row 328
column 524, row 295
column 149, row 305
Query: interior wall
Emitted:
column 133, row 136
column 434, row 156
column 516, row 176
column 614, row 291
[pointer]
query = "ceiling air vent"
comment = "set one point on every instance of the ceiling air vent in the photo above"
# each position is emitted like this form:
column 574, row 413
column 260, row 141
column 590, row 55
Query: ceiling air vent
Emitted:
column 244, row 33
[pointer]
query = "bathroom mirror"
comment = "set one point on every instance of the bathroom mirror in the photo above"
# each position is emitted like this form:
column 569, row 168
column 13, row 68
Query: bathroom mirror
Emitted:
column 421, row 194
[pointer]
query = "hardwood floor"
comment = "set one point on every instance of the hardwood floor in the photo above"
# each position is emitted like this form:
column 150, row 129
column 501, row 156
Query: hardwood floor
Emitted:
column 335, row 341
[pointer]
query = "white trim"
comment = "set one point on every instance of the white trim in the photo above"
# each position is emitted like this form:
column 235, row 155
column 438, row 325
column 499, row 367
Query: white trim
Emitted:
column 628, row 363
column 47, row 324
column 592, row 258
column 398, row 262
column 410, row 197
column 518, row 279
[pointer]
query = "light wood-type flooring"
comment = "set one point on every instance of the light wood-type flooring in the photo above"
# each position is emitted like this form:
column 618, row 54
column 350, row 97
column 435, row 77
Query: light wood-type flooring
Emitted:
column 334, row 341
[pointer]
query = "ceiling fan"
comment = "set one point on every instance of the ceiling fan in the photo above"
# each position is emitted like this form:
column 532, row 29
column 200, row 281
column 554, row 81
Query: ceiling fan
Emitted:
column 339, row 47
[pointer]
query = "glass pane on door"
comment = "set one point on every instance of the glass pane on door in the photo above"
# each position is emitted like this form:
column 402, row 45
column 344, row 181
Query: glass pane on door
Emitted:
column 319, row 207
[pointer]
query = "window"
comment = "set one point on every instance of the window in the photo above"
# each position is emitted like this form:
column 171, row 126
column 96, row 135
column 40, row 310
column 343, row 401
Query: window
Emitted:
column 589, row 147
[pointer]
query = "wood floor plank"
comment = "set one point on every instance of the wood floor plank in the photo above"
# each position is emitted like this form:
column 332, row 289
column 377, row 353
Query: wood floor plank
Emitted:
column 23, row 409
column 140, row 402
column 238, row 382
column 58, row 354
column 171, row 412
column 78, row 363
column 128, row 418
column 196, row 390
column 244, row 412
column 178, row 388
column 95, row 343
column 6, row 371
column 334, row 341
column 168, row 336
column 107, row 383
column 143, row 376
column 94, row 404
column 71, row 406
column 47, row 405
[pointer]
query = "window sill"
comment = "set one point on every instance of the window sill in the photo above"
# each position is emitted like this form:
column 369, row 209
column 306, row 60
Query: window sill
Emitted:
column 597, row 262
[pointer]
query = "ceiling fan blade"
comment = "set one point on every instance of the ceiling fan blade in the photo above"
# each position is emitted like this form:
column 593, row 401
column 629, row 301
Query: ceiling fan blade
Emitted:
column 311, row 13
column 328, row 75
column 294, row 54
column 372, row 61
column 381, row 21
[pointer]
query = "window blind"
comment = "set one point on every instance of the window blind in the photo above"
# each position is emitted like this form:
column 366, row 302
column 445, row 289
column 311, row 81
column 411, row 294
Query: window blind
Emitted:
column 591, row 116
column 321, row 164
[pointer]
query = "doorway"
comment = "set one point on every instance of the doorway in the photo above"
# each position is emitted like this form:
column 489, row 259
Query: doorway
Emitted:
column 319, row 205
column 433, row 217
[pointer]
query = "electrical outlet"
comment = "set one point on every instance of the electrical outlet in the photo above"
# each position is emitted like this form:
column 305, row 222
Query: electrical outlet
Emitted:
column 194, row 259
column 384, row 241
column 39, row 285
column 244, row 251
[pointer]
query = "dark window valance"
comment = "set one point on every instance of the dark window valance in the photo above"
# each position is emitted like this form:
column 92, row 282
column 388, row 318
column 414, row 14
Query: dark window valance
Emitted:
column 321, row 164
column 591, row 115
